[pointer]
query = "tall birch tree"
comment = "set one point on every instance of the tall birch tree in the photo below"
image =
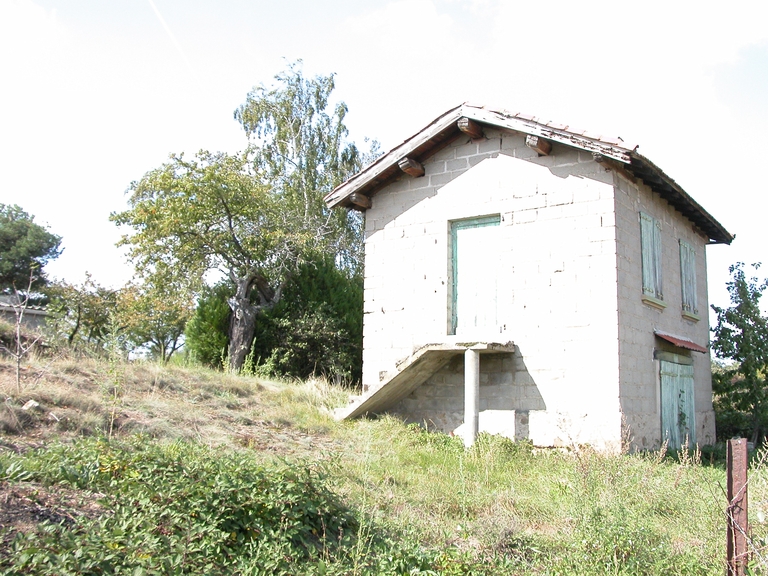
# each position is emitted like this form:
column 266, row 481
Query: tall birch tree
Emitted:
column 255, row 216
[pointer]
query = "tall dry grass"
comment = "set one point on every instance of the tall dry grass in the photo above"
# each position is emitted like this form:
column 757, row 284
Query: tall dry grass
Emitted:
column 79, row 395
column 499, row 508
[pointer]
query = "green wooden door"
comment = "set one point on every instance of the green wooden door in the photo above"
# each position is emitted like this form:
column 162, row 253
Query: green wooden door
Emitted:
column 677, row 408
column 475, row 263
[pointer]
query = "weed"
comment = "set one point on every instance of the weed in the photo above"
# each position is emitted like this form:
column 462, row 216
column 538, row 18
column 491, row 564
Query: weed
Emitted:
column 181, row 508
column 113, row 386
column 398, row 499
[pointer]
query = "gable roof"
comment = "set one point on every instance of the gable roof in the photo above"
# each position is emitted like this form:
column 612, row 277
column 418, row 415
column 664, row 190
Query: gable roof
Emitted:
column 614, row 153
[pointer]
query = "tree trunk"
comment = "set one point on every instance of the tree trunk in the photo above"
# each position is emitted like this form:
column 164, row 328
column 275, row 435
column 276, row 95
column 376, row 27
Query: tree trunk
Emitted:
column 77, row 326
column 242, row 325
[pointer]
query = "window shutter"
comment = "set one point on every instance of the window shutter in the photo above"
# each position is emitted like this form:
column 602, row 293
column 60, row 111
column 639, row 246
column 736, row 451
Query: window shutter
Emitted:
column 657, row 259
column 650, row 238
column 678, row 413
column 688, row 277
column 669, row 405
column 647, row 250
column 687, row 416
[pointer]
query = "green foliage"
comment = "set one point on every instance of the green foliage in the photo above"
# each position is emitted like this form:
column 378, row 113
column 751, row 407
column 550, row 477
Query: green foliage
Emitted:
column 150, row 315
column 25, row 248
column 154, row 314
column 194, row 215
column 81, row 314
column 502, row 507
column 212, row 212
column 312, row 343
column 299, row 144
column 206, row 332
column 186, row 509
column 730, row 421
column 317, row 326
column 741, row 336
column 409, row 501
column 258, row 215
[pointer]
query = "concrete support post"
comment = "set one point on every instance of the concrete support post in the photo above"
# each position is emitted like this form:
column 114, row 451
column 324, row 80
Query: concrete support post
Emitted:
column 471, row 396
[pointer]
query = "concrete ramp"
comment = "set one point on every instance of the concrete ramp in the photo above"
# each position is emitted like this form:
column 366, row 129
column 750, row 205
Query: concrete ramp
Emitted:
column 410, row 373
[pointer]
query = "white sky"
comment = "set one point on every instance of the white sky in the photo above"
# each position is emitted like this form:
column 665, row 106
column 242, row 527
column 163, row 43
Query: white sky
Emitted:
column 93, row 94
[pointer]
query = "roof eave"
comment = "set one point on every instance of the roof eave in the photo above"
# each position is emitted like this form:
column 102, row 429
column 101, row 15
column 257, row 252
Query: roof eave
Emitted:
column 672, row 192
column 444, row 129
column 385, row 168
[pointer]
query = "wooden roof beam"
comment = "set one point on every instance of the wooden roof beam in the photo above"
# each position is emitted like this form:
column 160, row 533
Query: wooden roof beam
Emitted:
column 538, row 144
column 411, row 167
column 470, row 128
column 360, row 201
column 610, row 164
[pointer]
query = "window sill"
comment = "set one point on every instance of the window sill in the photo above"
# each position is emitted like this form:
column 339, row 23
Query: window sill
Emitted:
column 654, row 302
column 691, row 316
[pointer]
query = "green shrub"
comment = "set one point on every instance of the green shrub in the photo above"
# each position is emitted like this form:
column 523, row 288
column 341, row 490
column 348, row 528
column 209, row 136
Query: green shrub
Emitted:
column 731, row 422
column 187, row 509
column 179, row 508
column 206, row 332
column 317, row 328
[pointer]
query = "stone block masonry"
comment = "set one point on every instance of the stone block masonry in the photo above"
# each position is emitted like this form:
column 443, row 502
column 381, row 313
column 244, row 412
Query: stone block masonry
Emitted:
column 565, row 261
column 554, row 268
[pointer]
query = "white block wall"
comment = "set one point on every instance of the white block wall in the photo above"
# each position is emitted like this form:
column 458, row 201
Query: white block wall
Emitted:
column 556, row 260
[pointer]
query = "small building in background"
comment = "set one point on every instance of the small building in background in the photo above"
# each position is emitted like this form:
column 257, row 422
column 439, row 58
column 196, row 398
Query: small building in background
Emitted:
column 33, row 316
column 566, row 264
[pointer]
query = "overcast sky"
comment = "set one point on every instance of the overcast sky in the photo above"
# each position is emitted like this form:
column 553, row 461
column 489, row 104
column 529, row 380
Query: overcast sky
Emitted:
column 93, row 94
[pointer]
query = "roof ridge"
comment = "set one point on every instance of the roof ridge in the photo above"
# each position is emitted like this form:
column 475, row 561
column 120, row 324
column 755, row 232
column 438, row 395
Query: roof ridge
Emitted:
column 614, row 152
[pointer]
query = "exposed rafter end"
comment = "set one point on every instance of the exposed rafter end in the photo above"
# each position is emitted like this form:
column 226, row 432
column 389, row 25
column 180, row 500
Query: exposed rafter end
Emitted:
column 609, row 164
column 538, row 144
column 700, row 232
column 470, row 128
column 411, row 167
column 360, row 201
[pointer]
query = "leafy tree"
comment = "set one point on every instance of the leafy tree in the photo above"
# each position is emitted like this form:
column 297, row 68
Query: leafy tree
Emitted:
column 730, row 421
column 255, row 216
column 206, row 332
column 81, row 314
column 192, row 216
column 741, row 336
column 154, row 314
column 299, row 144
column 25, row 248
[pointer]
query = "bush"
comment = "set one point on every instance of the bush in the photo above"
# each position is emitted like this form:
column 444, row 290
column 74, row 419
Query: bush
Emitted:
column 206, row 332
column 317, row 328
column 180, row 508
column 184, row 508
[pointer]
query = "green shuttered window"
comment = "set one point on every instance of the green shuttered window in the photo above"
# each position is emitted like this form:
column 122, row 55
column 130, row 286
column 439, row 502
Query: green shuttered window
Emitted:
column 688, row 280
column 650, row 236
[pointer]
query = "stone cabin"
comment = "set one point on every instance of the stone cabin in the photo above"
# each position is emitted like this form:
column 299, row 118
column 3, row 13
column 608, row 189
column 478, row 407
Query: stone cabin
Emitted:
column 536, row 281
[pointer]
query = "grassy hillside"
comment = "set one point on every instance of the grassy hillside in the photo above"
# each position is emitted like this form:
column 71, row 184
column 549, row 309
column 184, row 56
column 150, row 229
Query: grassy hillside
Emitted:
column 138, row 469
